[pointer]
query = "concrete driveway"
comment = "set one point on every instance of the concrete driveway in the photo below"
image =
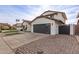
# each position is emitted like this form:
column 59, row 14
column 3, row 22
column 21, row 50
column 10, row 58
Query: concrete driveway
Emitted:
column 4, row 48
column 8, row 43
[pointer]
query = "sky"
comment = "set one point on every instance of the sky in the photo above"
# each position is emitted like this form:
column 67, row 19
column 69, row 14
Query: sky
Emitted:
column 9, row 13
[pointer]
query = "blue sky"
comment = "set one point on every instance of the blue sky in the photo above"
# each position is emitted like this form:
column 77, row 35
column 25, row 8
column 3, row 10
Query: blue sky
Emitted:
column 9, row 13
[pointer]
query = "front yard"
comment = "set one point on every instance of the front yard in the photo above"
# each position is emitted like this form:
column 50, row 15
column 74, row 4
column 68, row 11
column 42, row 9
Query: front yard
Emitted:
column 10, row 32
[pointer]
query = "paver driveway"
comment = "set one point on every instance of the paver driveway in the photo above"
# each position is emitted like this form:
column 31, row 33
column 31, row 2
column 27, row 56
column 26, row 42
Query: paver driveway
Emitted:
column 10, row 43
column 21, row 39
column 59, row 44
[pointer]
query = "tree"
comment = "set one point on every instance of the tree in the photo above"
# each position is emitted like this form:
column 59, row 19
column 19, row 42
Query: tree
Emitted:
column 17, row 20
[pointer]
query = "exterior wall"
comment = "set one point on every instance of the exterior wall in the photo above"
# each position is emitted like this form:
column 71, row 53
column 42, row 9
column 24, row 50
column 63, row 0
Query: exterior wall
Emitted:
column 56, row 16
column 28, row 26
column 57, row 28
column 72, row 29
column 19, row 26
column 54, row 28
column 59, row 17
column 42, row 21
column 32, row 28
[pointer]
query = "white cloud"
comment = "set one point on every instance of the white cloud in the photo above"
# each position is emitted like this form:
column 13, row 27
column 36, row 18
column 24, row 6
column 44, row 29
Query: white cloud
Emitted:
column 29, row 12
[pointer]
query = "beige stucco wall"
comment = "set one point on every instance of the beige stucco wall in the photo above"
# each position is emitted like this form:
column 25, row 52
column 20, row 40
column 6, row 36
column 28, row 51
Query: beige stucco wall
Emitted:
column 59, row 17
column 42, row 21
column 28, row 26
column 72, row 29
column 53, row 29
column 19, row 26
column 54, row 25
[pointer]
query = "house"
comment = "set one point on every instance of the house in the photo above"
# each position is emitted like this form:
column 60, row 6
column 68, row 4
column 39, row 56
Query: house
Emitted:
column 18, row 26
column 26, row 25
column 5, row 26
column 77, row 26
column 51, row 22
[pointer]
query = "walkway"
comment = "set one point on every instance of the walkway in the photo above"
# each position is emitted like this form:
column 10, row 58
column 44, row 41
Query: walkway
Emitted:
column 4, row 48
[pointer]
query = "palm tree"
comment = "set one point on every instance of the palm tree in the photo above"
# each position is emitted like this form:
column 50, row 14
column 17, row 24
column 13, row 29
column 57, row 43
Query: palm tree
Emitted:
column 17, row 20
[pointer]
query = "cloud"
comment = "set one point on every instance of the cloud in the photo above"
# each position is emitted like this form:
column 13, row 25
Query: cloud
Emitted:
column 9, row 13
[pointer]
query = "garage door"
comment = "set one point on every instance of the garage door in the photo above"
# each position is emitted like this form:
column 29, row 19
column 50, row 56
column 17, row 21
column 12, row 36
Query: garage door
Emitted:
column 41, row 28
column 65, row 29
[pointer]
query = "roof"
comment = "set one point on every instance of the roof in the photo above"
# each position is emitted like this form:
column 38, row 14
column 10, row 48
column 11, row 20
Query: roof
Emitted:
column 27, row 21
column 63, row 13
column 18, row 24
column 55, row 12
column 47, row 18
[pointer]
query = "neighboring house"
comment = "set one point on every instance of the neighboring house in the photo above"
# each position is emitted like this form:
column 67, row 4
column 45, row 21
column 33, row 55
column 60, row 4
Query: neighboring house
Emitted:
column 48, row 22
column 26, row 25
column 5, row 26
column 14, row 25
column 77, row 26
column 18, row 26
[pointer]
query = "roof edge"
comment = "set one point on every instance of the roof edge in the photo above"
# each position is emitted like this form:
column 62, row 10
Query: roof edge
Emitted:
column 47, row 18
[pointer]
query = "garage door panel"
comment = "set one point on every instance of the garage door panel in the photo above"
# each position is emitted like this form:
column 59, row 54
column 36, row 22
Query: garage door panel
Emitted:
column 41, row 28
